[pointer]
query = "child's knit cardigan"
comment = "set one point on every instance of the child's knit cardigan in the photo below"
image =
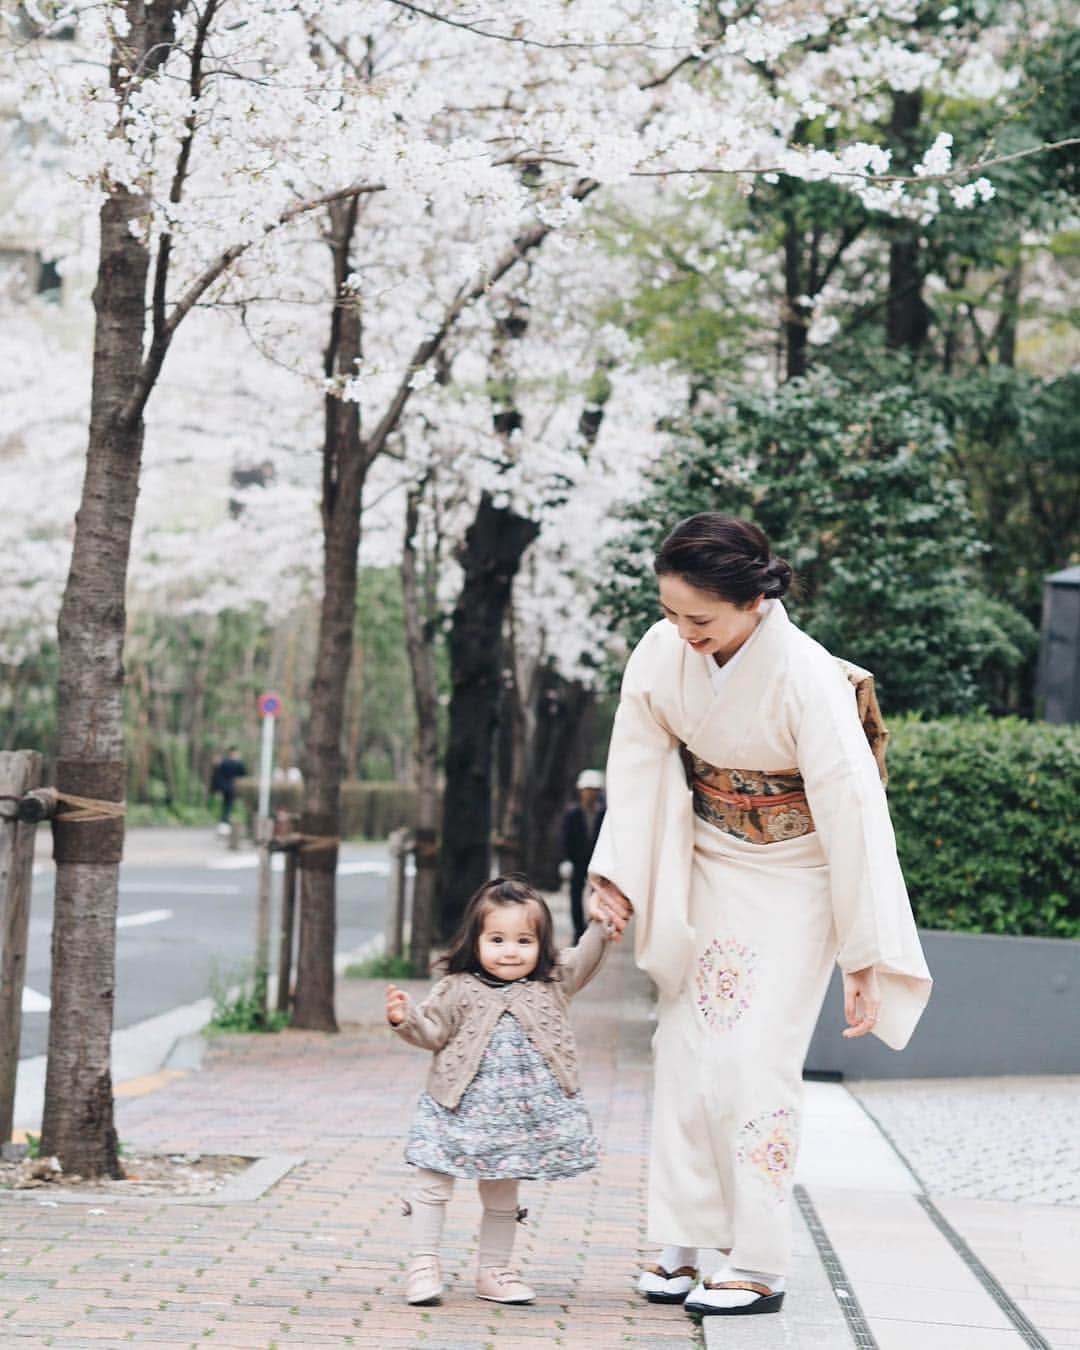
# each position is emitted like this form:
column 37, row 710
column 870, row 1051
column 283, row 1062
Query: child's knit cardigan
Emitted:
column 458, row 1016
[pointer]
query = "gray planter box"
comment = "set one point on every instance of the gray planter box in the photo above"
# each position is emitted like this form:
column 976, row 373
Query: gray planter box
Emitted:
column 1001, row 1005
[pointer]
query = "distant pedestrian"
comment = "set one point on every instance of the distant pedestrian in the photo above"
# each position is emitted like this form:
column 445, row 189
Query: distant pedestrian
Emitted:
column 226, row 771
column 502, row 1102
column 580, row 827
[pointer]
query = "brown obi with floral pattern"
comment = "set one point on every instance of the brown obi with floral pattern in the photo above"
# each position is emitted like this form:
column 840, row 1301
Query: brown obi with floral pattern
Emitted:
column 754, row 806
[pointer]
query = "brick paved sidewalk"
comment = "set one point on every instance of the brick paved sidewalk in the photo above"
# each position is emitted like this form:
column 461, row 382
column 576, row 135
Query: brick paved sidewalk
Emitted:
column 319, row 1259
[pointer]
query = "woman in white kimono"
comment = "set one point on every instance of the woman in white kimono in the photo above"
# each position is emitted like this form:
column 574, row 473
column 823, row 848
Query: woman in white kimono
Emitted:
column 747, row 829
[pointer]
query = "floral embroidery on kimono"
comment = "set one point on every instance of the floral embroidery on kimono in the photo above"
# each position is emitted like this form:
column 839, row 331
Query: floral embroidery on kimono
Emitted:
column 768, row 1144
column 725, row 983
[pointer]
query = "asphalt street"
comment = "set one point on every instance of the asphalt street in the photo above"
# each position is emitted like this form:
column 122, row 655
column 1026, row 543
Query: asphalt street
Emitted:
column 187, row 921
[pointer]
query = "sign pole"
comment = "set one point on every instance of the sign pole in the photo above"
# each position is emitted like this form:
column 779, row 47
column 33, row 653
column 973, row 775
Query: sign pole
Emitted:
column 270, row 708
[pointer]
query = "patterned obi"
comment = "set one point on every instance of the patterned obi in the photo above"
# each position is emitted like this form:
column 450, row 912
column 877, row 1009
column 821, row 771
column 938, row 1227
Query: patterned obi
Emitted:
column 751, row 804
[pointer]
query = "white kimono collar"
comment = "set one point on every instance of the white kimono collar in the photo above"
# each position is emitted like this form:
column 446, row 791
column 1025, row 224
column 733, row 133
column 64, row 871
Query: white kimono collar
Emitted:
column 728, row 710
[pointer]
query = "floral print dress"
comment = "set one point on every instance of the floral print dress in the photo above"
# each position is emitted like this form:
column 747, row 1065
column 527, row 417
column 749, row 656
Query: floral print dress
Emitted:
column 513, row 1120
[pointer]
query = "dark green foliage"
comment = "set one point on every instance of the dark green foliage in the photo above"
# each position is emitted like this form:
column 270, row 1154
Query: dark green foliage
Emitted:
column 1017, row 443
column 383, row 718
column 856, row 487
column 987, row 817
column 368, row 810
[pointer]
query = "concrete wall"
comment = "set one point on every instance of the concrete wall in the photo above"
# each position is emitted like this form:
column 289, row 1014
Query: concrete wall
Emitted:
column 1001, row 1005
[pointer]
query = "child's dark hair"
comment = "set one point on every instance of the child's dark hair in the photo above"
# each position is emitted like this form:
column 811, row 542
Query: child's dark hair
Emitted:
column 462, row 958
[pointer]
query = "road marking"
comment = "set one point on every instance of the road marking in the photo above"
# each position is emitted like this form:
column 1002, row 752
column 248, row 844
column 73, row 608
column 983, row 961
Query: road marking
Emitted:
column 139, row 1087
column 246, row 860
column 178, row 888
column 144, row 916
column 374, row 867
column 32, row 1001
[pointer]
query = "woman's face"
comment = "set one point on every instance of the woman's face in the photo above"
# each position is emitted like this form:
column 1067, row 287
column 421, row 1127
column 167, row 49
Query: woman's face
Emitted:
column 706, row 623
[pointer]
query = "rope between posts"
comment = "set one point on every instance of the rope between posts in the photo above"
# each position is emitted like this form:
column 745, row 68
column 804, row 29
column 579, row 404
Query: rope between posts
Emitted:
column 312, row 843
column 89, row 810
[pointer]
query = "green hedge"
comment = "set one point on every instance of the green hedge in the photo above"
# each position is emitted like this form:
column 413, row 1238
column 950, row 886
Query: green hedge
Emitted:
column 987, row 817
column 368, row 810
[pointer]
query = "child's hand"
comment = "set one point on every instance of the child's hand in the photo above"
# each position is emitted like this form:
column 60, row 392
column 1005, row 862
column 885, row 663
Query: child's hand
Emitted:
column 397, row 1005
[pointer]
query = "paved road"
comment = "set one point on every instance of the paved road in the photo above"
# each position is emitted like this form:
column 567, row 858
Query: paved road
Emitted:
column 187, row 918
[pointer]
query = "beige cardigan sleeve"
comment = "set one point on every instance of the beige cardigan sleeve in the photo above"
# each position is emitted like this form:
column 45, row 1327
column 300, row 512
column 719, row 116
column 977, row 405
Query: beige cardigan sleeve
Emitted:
column 430, row 1024
column 579, row 964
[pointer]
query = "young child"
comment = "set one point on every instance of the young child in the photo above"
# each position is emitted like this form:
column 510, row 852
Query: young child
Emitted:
column 502, row 1102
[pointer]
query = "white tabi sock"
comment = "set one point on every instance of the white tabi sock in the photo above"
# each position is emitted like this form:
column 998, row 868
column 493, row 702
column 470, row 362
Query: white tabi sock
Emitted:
column 739, row 1298
column 671, row 1258
column 774, row 1282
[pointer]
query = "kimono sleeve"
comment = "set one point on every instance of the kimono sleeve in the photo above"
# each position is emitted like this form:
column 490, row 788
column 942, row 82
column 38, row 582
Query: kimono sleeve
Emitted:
column 646, row 841
column 429, row 1025
column 870, row 906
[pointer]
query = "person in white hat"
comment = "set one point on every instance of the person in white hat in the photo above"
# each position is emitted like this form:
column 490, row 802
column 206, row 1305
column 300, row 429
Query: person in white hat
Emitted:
column 580, row 827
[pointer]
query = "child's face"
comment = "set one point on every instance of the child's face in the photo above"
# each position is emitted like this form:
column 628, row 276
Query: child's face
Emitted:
column 509, row 946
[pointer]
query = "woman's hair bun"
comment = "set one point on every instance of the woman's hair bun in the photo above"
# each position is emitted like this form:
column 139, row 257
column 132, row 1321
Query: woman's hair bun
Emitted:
column 776, row 578
column 724, row 556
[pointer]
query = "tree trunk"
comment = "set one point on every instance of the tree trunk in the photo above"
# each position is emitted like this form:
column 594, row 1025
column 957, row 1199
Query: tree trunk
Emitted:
column 420, row 627
column 516, row 735
column 78, row 1119
column 494, row 544
column 1010, row 315
column 797, row 313
column 344, row 467
column 907, row 318
column 562, row 732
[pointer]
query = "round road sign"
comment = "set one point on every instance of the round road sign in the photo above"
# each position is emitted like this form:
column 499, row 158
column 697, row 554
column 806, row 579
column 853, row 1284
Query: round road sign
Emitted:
column 269, row 705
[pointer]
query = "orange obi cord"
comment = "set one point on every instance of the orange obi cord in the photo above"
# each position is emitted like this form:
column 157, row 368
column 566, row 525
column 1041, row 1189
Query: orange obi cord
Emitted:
column 743, row 802
column 758, row 806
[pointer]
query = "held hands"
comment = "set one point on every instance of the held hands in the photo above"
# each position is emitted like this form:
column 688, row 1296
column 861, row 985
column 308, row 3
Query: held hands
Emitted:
column 861, row 1001
column 397, row 1005
column 608, row 904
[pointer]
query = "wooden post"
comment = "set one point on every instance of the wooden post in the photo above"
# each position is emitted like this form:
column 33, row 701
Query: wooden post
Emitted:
column 395, row 909
column 20, row 771
column 288, row 921
column 263, row 831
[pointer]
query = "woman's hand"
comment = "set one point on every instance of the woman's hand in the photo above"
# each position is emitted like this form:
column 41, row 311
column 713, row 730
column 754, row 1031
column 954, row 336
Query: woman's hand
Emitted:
column 397, row 1005
column 862, row 1001
column 608, row 904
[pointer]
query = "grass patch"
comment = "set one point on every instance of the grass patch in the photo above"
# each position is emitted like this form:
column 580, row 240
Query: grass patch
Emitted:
column 381, row 968
column 238, row 1008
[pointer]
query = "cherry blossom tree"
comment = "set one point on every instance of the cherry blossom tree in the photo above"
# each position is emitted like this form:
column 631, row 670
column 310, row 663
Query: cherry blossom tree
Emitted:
column 205, row 140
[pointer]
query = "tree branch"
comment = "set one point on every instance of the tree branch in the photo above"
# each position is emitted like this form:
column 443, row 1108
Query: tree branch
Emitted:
column 477, row 31
column 847, row 238
column 951, row 175
column 183, row 160
column 151, row 367
column 522, row 245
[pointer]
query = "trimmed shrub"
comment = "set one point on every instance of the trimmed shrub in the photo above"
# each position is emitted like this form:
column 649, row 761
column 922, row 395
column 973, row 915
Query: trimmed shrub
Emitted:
column 987, row 817
column 368, row 810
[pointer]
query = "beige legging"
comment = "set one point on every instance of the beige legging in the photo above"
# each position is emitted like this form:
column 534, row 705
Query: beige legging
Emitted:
column 427, row 1202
